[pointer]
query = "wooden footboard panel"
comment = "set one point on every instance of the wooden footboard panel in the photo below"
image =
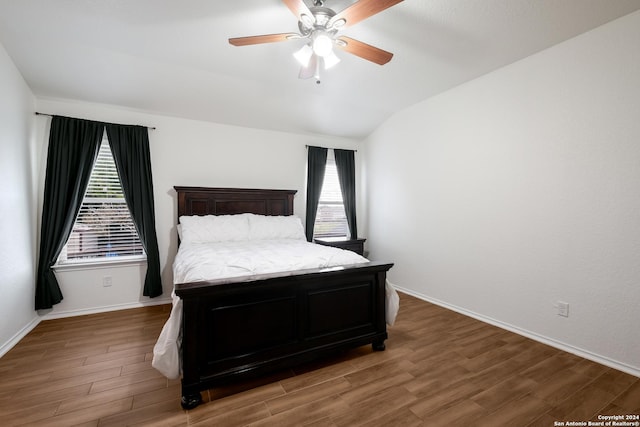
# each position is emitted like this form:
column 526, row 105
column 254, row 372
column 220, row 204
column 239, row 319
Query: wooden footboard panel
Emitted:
column 250, row 326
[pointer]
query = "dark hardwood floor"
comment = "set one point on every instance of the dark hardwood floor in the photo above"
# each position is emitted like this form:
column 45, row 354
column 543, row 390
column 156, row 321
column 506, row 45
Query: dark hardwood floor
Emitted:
column 440, row 369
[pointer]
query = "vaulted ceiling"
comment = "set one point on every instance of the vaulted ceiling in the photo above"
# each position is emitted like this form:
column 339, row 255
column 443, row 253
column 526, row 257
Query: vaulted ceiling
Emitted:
column 173, row 57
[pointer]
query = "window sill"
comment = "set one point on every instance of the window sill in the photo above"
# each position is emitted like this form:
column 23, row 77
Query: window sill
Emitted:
column 95, row 265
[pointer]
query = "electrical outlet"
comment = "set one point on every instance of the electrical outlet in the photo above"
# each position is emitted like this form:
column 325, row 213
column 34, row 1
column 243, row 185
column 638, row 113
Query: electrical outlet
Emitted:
column 563, row 308
column 106, row 281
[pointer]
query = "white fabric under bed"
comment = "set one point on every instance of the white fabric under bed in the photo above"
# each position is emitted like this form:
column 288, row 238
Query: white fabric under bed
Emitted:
column 217, row 260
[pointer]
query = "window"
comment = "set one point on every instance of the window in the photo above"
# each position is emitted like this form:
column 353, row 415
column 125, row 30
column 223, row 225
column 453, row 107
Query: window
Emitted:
column 331, row 220
column 104, row 228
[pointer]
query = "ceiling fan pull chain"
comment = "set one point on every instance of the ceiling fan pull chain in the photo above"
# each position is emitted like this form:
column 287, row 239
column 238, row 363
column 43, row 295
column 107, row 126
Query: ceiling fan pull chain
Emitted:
column 317, row 72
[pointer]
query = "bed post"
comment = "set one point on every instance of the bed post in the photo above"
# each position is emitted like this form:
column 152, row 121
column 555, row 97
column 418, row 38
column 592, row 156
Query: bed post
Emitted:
column 191, row 396
column 191, row 401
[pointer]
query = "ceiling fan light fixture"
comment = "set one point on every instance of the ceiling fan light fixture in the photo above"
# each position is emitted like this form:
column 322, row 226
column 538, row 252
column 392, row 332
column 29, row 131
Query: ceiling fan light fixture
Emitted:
column 322, row 44
column 330, row 60
column 303, row 55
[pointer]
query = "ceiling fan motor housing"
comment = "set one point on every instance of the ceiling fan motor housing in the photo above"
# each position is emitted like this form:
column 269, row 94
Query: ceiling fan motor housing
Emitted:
column 319, row 21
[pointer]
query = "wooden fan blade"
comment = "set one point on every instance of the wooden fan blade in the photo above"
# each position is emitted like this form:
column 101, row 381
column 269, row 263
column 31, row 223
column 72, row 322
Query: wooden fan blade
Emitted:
column 365, row 51
column 267, row 38
column 362, row 10
column 298, row 8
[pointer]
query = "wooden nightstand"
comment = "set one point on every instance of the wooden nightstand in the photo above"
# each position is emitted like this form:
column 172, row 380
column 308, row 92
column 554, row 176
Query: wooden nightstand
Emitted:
column 355, row 245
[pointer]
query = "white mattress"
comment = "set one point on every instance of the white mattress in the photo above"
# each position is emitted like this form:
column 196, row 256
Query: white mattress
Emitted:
column 210, row 261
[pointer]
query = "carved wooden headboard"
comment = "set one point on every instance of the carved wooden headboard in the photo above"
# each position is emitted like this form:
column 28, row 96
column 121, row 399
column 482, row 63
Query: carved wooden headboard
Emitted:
column 227, row 201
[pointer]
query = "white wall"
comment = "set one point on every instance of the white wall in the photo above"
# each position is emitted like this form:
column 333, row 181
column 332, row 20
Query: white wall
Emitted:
column 185, row 153
column 17, row 206
column 522, row 188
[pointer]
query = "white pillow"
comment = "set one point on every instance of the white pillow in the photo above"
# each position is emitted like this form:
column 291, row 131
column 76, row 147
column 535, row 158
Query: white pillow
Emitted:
column 265, row 227
column 214, row 228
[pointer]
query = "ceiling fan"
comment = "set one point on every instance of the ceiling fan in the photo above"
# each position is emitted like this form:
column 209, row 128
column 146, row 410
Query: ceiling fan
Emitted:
column 320, row 25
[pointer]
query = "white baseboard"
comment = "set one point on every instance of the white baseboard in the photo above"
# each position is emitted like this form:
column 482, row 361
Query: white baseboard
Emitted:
column 104, row 309
column 631, row 370
column 5, row 347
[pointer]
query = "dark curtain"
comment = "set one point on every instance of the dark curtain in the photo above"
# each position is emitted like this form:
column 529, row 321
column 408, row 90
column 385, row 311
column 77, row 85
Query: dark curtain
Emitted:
column 316, row 164
column 73, row 149
column 346, row 166
column 130, row 148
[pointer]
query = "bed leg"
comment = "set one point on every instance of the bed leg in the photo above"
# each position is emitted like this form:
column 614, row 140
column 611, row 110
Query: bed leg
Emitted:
column 190, row 401
column 378, row 346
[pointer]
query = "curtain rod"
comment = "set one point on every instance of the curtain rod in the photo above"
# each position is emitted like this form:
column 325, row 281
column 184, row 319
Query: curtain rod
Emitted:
column 51, row 115
column 307, row 146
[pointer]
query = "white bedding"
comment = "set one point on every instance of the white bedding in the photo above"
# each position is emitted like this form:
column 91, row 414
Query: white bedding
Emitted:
column 210, row 261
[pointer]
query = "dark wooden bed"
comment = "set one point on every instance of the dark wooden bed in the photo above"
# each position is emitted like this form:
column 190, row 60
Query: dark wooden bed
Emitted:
column 249, row 326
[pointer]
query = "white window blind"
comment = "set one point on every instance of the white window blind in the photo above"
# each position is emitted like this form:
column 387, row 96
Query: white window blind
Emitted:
column 331, row 220
column 104, row 228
